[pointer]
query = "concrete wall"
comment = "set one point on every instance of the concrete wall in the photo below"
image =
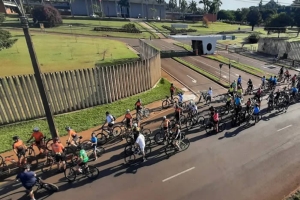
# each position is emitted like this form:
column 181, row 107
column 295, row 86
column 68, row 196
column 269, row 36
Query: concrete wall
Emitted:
column 279, row 46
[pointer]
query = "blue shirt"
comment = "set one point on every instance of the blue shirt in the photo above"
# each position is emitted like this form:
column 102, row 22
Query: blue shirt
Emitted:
column 271, row 79
column 239, row 80
column 294, row 90
column 27, row 178
column 180, row 97
column 256, row 110
column 275, row 80
column 94, row 140
column 209, row 92
column 263, row 79
column 237, row 101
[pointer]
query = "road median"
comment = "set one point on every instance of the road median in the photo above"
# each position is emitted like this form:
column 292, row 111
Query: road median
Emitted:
column 203, row 72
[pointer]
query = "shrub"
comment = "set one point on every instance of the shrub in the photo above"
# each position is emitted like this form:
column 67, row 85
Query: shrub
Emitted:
column 174, row 30
column 253, row 38
column 46, row 14
column 130, row 27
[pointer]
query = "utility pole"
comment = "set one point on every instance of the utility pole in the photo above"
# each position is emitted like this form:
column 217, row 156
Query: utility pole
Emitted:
column 37, row 71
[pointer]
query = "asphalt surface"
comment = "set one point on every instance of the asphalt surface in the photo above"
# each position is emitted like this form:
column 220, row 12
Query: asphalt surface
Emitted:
column 192, row 79
column 212, row 67
column 164, row 45
column 266, row 66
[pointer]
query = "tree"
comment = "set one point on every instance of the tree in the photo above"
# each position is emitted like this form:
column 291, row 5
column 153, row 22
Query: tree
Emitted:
column 244, row 13
column 206, row 5
column 46, row 14
column 125, row 4
column 214, row 6
column 254, row 18
column 161, row 2
column 266, row 14
column 226, row 15
column 5, row 36
column 172, row 5
column 183, row 6
column 278, row 23
column 296, row 17
column 193, row 6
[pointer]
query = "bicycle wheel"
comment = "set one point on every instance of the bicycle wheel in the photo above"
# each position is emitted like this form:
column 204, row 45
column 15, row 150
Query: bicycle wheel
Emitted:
column 189, row 124
column 130, row 139
column 169, row 150
column 164, row 104
column 147, row 141
column 116, row 131
column 101, row 139
column 146, row 132
column 184, row 144
column 128, row 149
column 30, row 151
column 175, row 99
column 50, row 187
column 221, row 127
column 201, row 120
column 129, row 158
column 146, row 112
column 86, row 145
column 48, row 144
column 32, row 161
column 100, row 151
column 159, row 137
column 70, row 174
column 47, row 165
column 4, row 169
column 92, row 172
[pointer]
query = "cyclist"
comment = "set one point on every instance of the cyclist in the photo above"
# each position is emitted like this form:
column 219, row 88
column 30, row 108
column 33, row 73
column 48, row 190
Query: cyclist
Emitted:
column 215, row 117
column 271, row 99
column 177, row 136
column 238, row 105
column 231, row 90
column 38, row 137
column 194, row 109
column 178, row 111
column 239, row 91
column 138, row 107
column 73, row 135
column 263, row 82
column 140, row 142
column 277, row 95
column 28, row 180
column 233, row 84
column 136, row 131
column 209, row 95
column 19, row 148
column 58, row 151
column 281, row 72
column 256, row 111
column 228, row 101
column 94, row 142
column 270, row 80
column 82, row 159
column 172, row 90
column 258, row 93
column 165, row 124
column 110, row 120
column 128, row 119
column 294, row 91
column 248, row 105
column 293, row 79
column 239, row 81
column 274, row 81
column 250, row 85
column 180, row 97
column 189, row 107
column 287, row 74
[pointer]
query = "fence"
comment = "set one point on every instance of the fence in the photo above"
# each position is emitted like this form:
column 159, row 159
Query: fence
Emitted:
column 78, row 89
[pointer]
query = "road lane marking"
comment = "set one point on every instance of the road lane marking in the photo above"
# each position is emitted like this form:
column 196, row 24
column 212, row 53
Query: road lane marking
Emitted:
column 284, row 128
column 193, row 80
column 178, row 174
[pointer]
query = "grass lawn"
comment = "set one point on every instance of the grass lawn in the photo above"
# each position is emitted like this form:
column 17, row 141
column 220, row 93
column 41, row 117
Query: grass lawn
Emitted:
column 60, row 52
column 84, row 27
column 214, row 28
column 81, row 120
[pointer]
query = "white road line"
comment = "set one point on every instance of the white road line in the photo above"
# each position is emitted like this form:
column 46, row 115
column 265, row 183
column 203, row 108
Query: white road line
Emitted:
column 284, row 128
column 178, row 174
column 193, row 80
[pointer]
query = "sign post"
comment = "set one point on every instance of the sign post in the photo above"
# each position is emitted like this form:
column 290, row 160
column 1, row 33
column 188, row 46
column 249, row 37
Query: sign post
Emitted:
column 220, row 65
column 229, row 65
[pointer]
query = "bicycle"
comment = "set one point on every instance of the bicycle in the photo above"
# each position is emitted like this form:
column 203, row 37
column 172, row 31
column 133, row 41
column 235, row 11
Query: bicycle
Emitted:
column 205, row 96
column 171, row 149
column 110, row 134
column 4, row 169
column 146, row 132
column 256, row 118
column 169, row 102
column 143, row 113
column 50, row 161
column 89, row 171
column 43, row 146
column 131, row 150
column 210, row 126
column 50, row 187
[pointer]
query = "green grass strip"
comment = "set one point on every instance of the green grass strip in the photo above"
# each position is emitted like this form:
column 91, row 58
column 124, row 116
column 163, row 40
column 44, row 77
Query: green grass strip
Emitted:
column 83, row 119
column 185, row 46
column 246, row 68
column 142, row 28
column 201, row 71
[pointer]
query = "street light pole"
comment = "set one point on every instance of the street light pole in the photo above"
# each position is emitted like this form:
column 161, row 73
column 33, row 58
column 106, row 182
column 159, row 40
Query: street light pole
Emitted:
column 37, row 72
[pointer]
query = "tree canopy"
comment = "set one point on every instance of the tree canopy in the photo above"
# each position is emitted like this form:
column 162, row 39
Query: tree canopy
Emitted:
column 6, row 40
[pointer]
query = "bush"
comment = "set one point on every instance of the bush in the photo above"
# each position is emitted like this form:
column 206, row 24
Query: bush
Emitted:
column 175, row 31
column 253, row 38
column 46, row 14
column 130, row 27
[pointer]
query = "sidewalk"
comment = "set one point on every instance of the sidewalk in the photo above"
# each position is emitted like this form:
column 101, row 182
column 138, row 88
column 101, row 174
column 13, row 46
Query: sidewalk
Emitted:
column 161, row 36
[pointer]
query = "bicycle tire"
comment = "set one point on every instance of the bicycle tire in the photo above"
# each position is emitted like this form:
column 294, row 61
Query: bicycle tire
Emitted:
column 100, row 151
column 164, row 104
column 4, row 169
column 129, row 139
column 70, row 174
column 101, row 139
column 146, row 112
column 47, row 165
column 30, row 151
column 92, row 172
column 130, row 158
column 128, row 149
column 146, row 132
column 148, row 141
column 49, row 144
column 175, row 99
column 184, row 144
column 221, row 127
column 32, row 161
column 159, row 138
column 189, row 124
column 116, row 131
column 201, row 120
column 169, row 150
column 86, row 145
column 50, row 187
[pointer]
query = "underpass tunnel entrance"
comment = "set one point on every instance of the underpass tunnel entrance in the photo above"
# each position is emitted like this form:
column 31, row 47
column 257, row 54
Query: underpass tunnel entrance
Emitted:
column 197, row 46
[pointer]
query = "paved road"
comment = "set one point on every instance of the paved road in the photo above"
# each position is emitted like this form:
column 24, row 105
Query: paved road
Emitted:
column 266, row 66
column 164, row 46
column 261, row 162
column 192, row 79
column 213, row 67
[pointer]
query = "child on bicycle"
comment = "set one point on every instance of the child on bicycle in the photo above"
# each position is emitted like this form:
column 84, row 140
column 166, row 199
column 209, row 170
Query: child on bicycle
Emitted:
column 82, row 159
column 94, row 144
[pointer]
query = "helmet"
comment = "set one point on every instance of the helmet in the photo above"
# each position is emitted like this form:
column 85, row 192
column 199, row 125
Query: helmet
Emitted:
column 263, row 76
column 68, row 128
column 107, row 113
column 171, row 83
column 36, row 129
column 210, row 88
column 135, row 125
column 56, row 139
column 239, row 75
column 177, row 126
column 249, row 79
column 26, row 166
column 164, row 117
column 127, row 110
column 274, row 76
column 16, row 137
column 139, row 99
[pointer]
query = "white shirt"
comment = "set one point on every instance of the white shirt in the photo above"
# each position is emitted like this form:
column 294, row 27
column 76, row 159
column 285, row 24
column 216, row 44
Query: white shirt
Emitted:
column 141, row 141
column 109, row 119
column 194, row 108
column 209, row 92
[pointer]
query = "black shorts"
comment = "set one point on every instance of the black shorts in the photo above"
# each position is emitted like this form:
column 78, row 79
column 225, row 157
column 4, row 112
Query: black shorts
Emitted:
column 21, row 152
column 60, row 157
column 38, row 143
column 110, row 125
column 81, row 164
column 94, row 147
column 75, row 138
column 128, row 123
column 165, row 128
column 215, row 122
column 177, row 116
column 29, row 187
